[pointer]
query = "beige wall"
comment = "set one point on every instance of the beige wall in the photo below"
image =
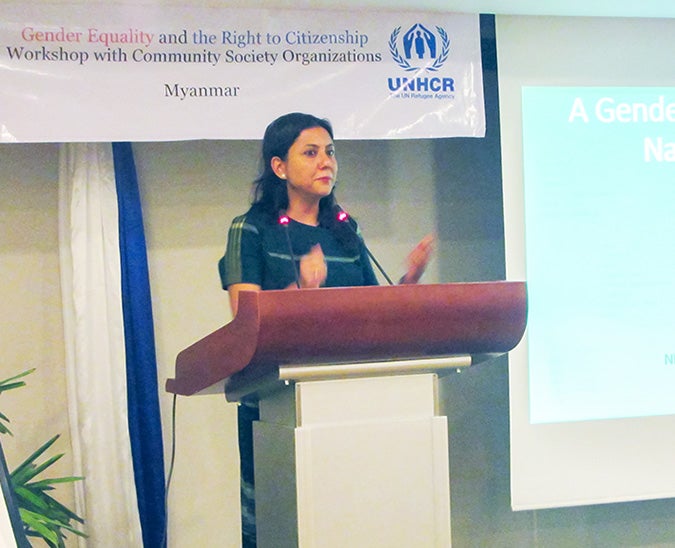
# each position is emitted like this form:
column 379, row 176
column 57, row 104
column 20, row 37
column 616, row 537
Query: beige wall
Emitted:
column 31, row 330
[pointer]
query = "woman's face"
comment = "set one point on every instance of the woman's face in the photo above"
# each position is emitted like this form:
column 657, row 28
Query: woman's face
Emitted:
column 310, row 167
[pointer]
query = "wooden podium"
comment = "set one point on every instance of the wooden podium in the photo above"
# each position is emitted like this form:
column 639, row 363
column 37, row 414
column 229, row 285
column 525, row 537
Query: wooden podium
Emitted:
column 350, row 449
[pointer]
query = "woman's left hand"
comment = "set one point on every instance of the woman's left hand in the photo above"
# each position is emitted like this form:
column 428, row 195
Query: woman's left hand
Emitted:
column 418, row 259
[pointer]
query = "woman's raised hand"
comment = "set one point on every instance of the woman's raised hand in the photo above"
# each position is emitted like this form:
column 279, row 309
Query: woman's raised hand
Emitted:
column 313, row 269
column 418, row 259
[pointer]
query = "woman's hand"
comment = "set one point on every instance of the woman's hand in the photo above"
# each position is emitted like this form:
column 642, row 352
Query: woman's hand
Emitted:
column 233, row 291
column 313, row 272
column 418, row 259
column 313, row 269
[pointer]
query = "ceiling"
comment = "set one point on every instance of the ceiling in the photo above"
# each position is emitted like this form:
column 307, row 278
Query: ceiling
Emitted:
column 607, row 8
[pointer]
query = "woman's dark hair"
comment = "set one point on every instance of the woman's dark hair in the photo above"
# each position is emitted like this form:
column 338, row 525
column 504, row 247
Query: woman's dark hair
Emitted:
column 269, row 191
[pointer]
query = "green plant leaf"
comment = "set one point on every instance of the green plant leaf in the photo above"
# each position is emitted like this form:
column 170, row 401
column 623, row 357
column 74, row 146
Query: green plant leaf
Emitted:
column 46, row 483
column 4, row 429
column 73, row 530
column 42, row 515
column 41, row 525
column 58, row 510
column 42, row 522
column 9, row 384
column 31, row 501
column 4, row 385
column 25, row 470
column 32, row 496
column 36, row 469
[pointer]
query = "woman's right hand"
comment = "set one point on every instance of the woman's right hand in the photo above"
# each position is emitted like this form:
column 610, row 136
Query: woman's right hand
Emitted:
column 313, row 268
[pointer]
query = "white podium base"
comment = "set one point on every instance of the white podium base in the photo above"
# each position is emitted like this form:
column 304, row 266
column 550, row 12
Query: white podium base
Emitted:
column 357, row 462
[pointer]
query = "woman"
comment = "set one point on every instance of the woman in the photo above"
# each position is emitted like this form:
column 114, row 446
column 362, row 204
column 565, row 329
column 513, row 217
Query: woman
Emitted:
column 294, row 236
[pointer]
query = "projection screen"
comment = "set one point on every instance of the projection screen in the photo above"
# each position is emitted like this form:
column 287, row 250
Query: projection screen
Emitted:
column 588, row 146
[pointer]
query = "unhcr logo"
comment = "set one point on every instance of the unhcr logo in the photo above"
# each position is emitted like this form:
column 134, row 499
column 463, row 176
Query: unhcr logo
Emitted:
column 420, row 46
column 420, row 50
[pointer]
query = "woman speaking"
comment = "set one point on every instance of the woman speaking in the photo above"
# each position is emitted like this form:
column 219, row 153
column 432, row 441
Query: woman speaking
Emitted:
column 295, row 235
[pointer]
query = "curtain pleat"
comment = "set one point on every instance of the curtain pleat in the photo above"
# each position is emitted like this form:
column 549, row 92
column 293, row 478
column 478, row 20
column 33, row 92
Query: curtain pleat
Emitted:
column 95, row 346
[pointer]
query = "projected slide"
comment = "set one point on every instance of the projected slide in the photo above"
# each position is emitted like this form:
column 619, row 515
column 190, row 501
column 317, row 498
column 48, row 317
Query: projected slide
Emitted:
column 599, row 176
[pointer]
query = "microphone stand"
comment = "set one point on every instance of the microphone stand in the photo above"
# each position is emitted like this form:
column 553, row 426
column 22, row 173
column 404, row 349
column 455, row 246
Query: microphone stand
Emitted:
column 344, row 218
column 284, row 221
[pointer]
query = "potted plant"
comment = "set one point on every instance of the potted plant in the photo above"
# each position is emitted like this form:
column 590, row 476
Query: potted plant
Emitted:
column 42, row 515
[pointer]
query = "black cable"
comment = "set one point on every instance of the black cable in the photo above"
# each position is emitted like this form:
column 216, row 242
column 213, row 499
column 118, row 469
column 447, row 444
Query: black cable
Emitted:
column 168, row 479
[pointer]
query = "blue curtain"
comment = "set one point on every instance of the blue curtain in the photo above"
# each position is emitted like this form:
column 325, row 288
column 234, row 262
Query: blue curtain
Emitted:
column 141, row 364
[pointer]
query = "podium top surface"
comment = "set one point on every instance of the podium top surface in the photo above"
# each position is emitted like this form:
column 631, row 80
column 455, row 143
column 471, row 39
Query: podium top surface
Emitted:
column 337, row 325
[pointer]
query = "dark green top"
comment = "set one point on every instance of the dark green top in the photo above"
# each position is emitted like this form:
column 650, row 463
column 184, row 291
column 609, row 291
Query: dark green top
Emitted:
column 258, row 252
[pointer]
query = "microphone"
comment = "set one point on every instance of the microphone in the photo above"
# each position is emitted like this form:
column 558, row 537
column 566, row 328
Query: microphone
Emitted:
column 344, row 218
column 284, row 221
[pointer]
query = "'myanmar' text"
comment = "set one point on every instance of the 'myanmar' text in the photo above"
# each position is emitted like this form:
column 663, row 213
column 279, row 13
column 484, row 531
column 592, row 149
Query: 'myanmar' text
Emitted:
column 198, row 92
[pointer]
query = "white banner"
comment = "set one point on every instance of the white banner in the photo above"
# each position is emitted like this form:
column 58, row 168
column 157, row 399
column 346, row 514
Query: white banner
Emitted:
column 143, row 73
